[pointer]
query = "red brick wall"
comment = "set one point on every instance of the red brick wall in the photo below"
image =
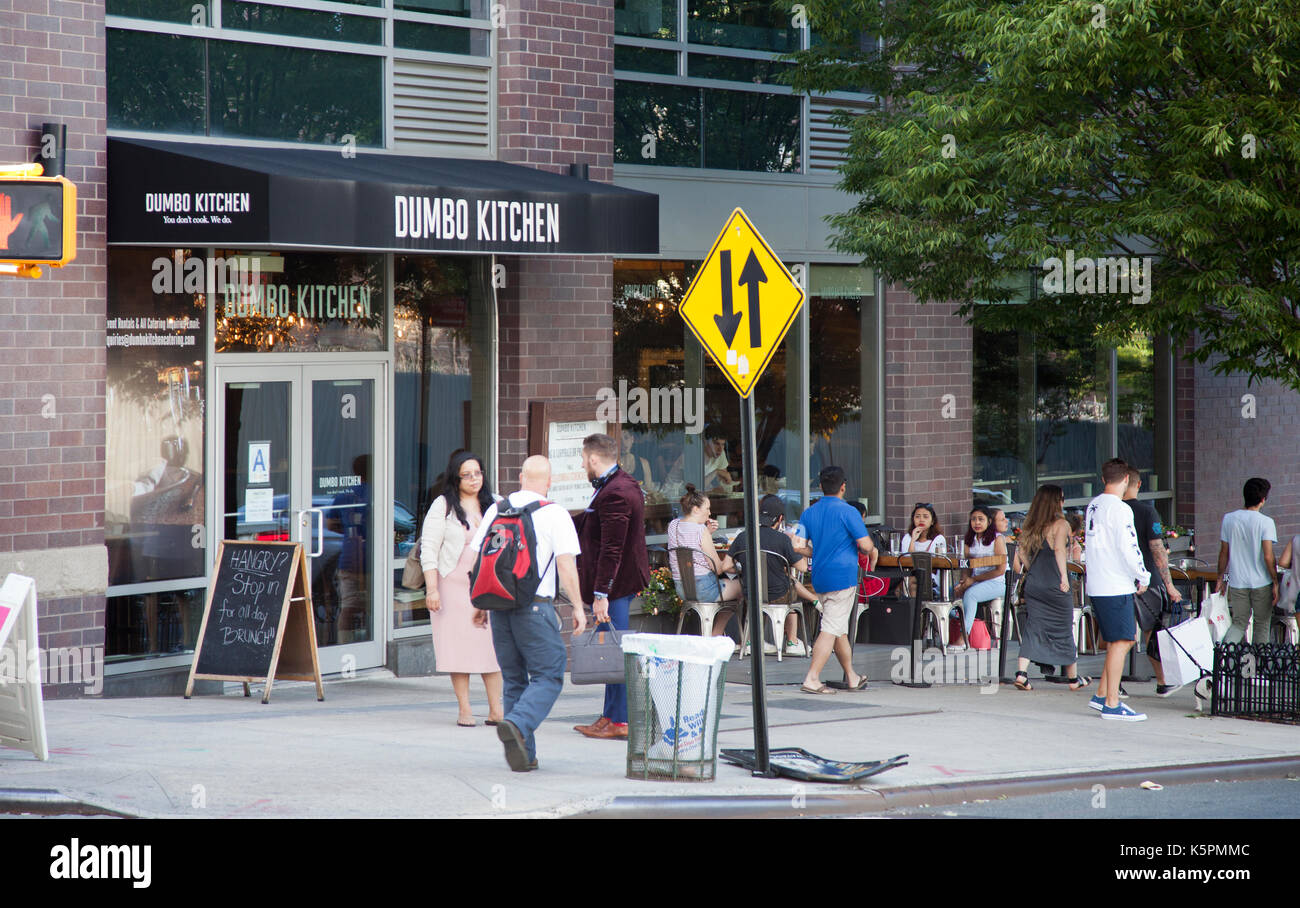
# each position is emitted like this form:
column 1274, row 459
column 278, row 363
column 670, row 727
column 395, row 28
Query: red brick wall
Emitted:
column 556, row 341
column 555, row 85
column 52, row 329
column 555, row 106
column 1231, row 447
column 928, row 457
column 1185, row 437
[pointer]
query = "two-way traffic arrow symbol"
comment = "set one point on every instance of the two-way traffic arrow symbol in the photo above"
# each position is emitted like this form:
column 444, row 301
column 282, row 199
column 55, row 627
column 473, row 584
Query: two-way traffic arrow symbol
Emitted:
column 729, row 321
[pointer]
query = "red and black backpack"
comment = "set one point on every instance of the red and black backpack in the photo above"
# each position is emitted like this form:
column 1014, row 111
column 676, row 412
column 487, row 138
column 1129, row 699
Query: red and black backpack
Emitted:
column 505, row 574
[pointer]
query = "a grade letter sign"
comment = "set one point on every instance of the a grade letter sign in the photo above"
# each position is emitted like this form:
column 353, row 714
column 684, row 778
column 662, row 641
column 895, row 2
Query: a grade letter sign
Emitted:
column 741, row 303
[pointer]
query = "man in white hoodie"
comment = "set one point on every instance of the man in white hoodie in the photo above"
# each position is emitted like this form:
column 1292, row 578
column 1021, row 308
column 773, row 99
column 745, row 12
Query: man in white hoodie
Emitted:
column 1115, row 572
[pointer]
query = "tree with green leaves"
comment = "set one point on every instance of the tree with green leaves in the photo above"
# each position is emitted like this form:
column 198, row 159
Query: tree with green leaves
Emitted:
column 1010, row 134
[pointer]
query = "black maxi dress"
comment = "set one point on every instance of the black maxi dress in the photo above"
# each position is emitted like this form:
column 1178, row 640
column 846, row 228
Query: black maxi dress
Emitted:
column 1047, row 631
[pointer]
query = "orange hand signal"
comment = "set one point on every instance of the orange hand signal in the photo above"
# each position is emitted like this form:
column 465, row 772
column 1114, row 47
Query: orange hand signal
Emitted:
column 7, row 225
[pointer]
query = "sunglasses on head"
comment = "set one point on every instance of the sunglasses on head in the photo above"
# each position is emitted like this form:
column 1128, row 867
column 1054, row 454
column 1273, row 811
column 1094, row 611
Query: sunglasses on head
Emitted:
column 923, row 504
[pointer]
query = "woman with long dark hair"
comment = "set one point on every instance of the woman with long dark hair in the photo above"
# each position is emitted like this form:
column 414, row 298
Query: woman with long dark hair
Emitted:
column 985, row 583
column 1047, row 631
column 460, row 648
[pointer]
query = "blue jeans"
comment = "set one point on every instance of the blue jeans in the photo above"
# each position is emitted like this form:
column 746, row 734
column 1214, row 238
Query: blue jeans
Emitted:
column 532, row 657
column 616, row 694
column 980, row 592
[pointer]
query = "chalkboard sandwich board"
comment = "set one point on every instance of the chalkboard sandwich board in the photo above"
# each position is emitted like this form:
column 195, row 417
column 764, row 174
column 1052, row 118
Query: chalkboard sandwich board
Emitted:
column 257, row 624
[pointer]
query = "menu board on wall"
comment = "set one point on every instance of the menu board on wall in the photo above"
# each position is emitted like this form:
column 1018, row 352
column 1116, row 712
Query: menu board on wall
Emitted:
column 556, row 429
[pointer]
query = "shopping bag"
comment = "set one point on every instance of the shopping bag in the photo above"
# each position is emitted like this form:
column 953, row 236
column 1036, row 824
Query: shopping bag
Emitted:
column 979, row 635
column 1216, row 612
column 1186, row 651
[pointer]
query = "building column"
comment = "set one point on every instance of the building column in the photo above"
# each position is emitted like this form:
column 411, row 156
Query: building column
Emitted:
column 52, row 346
column 555, row 107
column 928, row 410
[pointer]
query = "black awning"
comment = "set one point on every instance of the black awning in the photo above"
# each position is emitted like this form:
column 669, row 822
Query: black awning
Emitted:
column 190, row 194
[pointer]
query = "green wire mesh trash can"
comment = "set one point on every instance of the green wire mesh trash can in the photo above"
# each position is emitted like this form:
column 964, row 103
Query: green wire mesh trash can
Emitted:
column 674, row 705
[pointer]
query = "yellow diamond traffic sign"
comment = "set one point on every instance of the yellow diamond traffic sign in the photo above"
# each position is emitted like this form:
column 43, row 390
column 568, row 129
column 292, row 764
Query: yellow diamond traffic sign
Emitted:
column 741, row 303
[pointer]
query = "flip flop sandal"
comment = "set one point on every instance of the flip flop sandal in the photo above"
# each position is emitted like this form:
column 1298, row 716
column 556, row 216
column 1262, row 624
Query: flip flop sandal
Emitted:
column 465, row 724
column 861, row 685
column 815, row 690
column 1078, row 683
column 1022, row 681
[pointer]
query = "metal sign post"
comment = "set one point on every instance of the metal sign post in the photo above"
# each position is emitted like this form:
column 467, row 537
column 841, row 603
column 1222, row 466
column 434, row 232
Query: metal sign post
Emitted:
column 756, row 589
column 772, row 300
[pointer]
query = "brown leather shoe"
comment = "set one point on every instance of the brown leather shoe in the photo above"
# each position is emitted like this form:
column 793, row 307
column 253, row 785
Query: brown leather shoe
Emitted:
column 594, row 726
column 611, row 731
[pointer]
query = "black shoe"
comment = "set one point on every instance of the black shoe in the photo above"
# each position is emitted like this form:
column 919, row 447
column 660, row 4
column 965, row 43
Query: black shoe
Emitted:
column 1164, row 690
column 1122, row 691
column 513, row 740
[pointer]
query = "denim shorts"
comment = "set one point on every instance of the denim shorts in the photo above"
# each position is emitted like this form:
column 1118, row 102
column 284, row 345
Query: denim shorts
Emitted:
column 1115, row 617
column 706, row 587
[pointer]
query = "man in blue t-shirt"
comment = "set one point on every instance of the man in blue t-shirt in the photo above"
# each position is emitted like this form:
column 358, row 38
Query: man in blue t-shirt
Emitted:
column 836, row 533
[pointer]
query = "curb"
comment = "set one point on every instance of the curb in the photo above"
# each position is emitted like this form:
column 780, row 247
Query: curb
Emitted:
column 50, row 803
column 876, row 800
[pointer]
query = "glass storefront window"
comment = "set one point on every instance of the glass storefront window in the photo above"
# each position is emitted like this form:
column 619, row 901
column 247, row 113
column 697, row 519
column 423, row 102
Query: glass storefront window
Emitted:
column 153, row 624
column 1135, row 408
column 1045, row 411
column 843, row 381
column 646, row 18
column 656, row 124
column 302, row 302
column 154, row 466
column 654, row 353
column 443, row 384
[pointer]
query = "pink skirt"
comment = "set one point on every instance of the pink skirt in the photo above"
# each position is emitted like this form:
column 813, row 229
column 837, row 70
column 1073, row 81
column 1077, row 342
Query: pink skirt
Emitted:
column 458, row 644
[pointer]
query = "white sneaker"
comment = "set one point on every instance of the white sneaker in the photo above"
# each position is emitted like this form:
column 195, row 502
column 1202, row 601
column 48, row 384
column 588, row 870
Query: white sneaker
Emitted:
column 795, row 648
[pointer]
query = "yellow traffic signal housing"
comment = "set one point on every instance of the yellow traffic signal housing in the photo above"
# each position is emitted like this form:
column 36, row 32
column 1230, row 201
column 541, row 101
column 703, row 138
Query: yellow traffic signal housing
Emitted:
column 38, row 220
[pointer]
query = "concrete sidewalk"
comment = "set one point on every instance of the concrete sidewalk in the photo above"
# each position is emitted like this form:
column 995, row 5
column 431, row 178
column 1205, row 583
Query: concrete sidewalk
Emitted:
column 381, row 746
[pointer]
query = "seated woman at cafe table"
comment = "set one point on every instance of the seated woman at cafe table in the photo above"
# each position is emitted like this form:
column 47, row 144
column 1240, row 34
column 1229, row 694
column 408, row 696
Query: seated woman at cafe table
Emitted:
column 925, row 535
column 984, row 583
column 691, row 531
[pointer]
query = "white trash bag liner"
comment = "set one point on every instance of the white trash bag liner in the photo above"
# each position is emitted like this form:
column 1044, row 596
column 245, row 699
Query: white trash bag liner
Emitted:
column 666, row 660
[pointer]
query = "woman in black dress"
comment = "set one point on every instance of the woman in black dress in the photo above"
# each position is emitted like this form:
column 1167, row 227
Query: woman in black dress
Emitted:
column 1047, row 631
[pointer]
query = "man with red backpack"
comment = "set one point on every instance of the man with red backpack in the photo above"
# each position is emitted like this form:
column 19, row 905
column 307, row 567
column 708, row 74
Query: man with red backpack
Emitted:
column 522, row 549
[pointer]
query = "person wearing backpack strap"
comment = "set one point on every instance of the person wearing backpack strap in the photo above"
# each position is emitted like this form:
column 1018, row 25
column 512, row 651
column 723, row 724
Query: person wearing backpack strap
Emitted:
column 528, row 638
column 614, row 566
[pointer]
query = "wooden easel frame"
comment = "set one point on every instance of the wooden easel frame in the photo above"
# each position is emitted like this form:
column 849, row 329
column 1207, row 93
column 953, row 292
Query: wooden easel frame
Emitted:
column 294, row 657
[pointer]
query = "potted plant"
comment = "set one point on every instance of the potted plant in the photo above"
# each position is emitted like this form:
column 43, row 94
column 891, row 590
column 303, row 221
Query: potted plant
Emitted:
column 1178, row 539
column 660, row 595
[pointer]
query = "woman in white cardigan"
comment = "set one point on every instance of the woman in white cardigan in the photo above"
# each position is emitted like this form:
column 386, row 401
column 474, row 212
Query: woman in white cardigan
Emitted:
column 460, row 648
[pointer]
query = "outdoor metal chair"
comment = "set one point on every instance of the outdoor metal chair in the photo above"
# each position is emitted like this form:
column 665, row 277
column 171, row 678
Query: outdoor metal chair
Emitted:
column 704, row 609
column 775, row 610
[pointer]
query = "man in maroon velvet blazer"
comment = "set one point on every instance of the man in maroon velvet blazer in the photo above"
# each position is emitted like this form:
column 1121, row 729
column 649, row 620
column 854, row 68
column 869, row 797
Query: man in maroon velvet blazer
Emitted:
column 613, row 567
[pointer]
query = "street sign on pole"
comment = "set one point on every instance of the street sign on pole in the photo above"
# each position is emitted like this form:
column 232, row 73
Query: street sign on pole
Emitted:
column 743, row 285
column 741, row 303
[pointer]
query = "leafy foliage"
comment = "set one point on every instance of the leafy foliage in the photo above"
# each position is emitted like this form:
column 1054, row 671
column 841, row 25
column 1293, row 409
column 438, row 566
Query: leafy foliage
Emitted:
column 1007, row 133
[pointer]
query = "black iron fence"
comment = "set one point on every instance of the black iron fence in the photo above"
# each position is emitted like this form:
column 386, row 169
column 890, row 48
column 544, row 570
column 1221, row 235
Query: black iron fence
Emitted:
column 1257, row 681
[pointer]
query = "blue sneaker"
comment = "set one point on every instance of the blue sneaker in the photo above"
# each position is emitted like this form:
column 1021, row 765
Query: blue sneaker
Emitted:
column 1098, row 703
column 1122, row 712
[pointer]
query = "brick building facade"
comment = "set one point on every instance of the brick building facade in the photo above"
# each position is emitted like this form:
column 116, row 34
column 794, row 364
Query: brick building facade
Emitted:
column 52, row 332
column 554, row 85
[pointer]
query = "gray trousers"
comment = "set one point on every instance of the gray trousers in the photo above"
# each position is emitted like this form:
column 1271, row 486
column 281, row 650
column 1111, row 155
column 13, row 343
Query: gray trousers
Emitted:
column 1253, row 608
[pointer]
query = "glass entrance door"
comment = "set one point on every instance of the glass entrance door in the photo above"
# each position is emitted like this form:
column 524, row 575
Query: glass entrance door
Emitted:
column 296, row 461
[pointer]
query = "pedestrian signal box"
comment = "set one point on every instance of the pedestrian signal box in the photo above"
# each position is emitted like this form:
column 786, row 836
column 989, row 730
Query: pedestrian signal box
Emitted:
column 38, row 220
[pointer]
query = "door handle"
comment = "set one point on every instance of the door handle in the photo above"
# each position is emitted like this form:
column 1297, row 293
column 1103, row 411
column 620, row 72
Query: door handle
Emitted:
column 304, row 521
